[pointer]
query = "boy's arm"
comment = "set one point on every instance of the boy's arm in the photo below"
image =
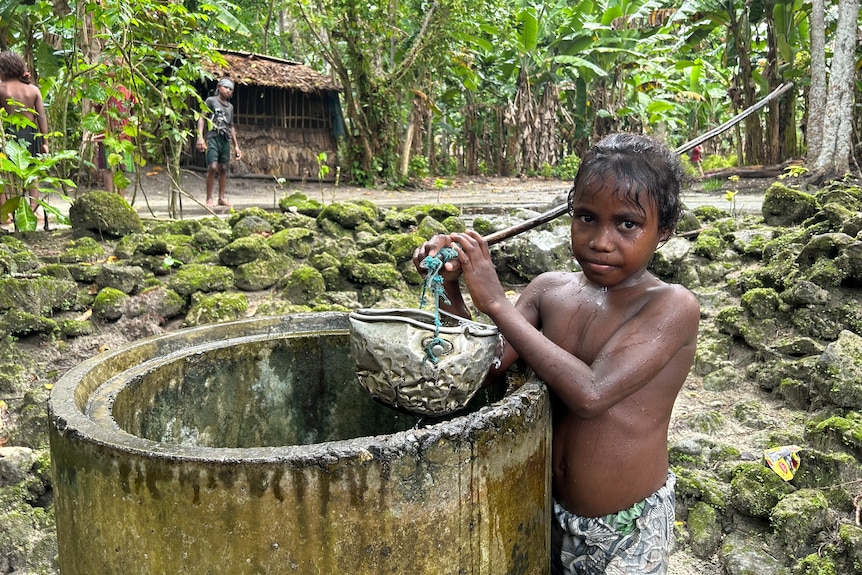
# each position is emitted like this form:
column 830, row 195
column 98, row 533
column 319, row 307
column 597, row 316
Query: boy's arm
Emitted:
column 201, row 142
column 236, row 149
column 632, row 357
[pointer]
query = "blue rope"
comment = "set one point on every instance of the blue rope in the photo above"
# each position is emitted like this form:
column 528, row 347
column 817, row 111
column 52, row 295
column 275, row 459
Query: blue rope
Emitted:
column 434, row 285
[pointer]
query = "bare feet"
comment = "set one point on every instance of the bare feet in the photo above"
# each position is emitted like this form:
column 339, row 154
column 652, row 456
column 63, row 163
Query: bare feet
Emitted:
column 210, row 203
column 225, row 203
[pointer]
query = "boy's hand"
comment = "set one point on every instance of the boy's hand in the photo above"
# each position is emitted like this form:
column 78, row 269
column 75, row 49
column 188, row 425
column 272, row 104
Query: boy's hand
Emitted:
column 480, row 275
column 451, row 270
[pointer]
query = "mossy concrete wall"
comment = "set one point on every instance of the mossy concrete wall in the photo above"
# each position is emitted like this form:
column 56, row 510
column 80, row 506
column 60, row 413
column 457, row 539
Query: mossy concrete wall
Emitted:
column 163, row 462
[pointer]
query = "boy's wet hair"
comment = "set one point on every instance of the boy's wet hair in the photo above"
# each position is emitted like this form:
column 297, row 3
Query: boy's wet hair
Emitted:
column 639, row 165
column 11, row 65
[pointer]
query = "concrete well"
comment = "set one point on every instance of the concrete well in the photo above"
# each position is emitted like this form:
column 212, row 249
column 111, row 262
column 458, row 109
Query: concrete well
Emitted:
column 250, row 447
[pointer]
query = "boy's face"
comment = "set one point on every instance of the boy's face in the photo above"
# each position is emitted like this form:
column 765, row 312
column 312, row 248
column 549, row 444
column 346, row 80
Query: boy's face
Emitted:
column 225, row 92
column 613, row 239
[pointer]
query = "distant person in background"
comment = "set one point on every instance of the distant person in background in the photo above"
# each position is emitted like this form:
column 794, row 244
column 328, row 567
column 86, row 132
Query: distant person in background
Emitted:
column 117, row 111
column 26, row 120
column 216, row 140
column 696, row 158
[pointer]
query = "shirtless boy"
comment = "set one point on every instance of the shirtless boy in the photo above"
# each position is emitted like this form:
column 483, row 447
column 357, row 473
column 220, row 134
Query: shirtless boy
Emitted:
column 614, row 345
column 24, row 100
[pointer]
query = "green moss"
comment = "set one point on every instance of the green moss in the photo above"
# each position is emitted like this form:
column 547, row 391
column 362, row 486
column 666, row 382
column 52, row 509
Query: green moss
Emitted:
column 201, row 278
column 761, row 302
column 21, row 323
column 704, row 527
column 349, row 214
column 216, row 308
column 708, row 246
column 708, row 214
column 694, row 485
column 109, row 303
column 756, row 489
column 82, row 250
column 304, row 285
column 300, row 203
column 75, row 328
column 402, row 246
column 294, row 242
column 815, row 564
column 261, row 274
column 244, row 250
column 437, row 211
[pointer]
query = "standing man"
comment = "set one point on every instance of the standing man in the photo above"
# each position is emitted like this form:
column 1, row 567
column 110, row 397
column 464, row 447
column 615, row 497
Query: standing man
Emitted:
column 22, row 100
column 218, row 138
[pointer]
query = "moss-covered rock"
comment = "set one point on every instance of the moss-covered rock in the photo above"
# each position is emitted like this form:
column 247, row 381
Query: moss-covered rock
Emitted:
column 82, row 250
column 157, row 300
column 71, row 328
column 262, row 274
column 349, row 215
column 211, row 238
column 756, row 489
column 437, row 211
column 784, row 206
column 293, row 242
column 837, row 433
column 244, row 250
column 127, row 279
column 21, row 323
column 430, row 227
column 251, row 225
column 216, row 308
column 798, row 518
column 705, row 529
column 303, row 286
column 300, row 203
column 709, row 245
column 402, row 246
column 840, row 371
column 38, row 296
column 201, row 278
column 694, row 485
column 104, row 213
column 109, row 304
column 761, row 303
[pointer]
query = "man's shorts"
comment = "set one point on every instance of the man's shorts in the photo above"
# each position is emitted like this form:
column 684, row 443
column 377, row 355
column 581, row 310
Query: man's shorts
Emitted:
column 619, row 544
column 218, row 150
column 27, row 137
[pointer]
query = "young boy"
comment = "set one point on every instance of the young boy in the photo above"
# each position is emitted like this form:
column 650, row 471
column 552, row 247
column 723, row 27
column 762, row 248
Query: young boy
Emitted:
column 219, row 136
column 614, row 345
column 22, row 99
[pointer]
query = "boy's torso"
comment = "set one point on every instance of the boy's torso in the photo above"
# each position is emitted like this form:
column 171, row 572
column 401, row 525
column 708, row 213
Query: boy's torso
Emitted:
column 608, row 462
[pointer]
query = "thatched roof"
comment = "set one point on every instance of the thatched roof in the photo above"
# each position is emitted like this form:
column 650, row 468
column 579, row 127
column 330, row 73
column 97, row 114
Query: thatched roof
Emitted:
column 256, row 70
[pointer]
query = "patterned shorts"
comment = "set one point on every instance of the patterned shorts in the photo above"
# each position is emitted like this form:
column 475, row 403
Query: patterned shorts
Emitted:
column 601, row 546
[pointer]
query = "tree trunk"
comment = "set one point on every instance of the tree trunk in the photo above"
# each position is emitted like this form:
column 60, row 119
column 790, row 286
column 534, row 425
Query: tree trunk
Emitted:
column 834, row 158
column 773, row 118
column 817, row 92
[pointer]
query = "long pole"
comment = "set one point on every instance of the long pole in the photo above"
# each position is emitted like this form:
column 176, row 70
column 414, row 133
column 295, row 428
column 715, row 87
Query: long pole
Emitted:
column 558, row 211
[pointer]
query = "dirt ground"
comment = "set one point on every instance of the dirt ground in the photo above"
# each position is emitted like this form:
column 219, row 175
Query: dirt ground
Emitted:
column 474, row 195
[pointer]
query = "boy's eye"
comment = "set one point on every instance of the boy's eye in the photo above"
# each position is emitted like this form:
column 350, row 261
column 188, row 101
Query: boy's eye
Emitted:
column 629, row 225
column 585, row 218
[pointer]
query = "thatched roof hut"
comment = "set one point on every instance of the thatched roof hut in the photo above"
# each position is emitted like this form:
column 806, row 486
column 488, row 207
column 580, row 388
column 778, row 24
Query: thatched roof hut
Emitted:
column 285, row 115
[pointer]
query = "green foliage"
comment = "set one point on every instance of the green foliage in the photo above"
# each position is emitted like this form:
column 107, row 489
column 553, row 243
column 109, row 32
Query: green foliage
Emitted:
column 567, row 169
column 21, row 172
